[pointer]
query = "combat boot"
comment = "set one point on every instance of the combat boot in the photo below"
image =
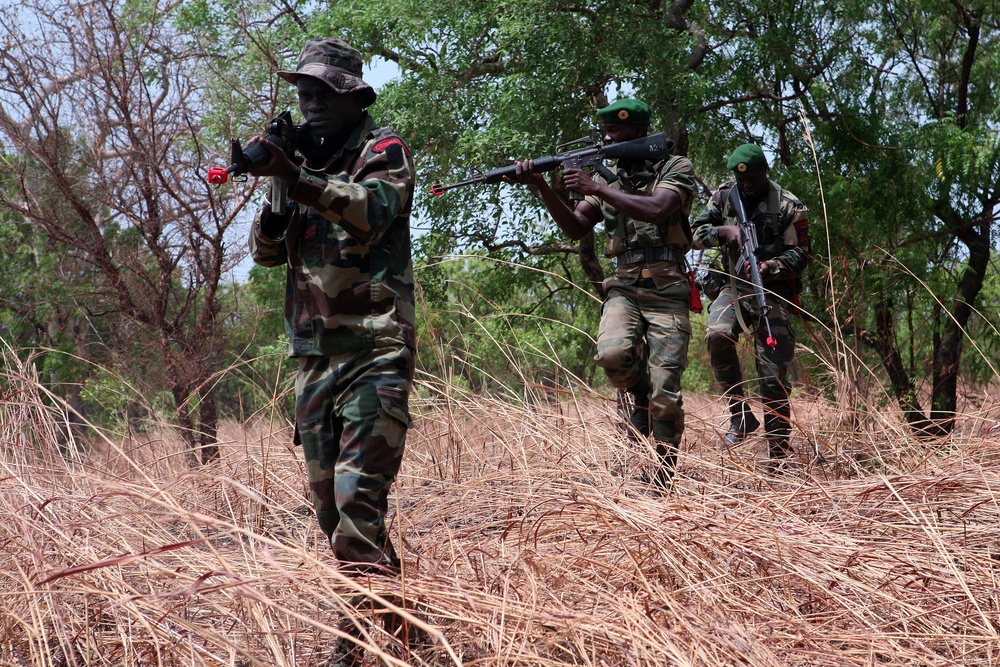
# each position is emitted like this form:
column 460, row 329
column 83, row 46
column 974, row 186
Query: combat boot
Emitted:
column 346, row 653
column 778, row 448
column 663, row 477
column 638, row 417
column 742, row 423
column 407, row 635
column 777, row 427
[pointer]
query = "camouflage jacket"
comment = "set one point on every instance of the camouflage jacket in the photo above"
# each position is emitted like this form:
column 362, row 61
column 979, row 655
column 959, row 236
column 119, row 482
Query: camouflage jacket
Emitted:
column 624, row 233
column 346, row 243
column 782, row 230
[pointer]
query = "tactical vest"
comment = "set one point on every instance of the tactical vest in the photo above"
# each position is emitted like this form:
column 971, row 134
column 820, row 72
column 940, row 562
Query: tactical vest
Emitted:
column 770, row 233
column 624, row 233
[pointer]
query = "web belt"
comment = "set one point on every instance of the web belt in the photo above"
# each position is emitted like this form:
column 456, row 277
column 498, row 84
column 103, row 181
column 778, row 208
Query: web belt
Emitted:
column 656, row 254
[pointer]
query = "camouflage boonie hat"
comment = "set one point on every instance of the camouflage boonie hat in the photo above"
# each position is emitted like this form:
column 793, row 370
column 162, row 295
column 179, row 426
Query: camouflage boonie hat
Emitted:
column 747, row 156
column 335, row 63
column 625, row 111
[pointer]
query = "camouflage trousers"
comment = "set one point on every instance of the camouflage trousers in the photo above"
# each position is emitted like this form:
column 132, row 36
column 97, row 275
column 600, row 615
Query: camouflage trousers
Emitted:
column 351, row 416
column 722, row 333
column 643, row 344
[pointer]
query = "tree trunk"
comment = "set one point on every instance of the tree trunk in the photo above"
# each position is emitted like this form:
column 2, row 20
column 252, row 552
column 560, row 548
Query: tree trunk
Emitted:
column 186, row 424
column 948, row 348
column 905, row 392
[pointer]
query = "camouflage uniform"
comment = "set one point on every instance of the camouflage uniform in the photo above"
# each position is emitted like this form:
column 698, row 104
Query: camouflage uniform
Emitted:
column 644, row 332
column 783, row 238
column 349, row 313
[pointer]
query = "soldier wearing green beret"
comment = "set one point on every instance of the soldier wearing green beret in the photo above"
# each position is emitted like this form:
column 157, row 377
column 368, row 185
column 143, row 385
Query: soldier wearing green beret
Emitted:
column 644, row 332
column 782, row 227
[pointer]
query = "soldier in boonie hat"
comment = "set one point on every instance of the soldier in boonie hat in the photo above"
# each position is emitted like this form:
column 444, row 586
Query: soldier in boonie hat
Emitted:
column 335, row 63
column 355, row 361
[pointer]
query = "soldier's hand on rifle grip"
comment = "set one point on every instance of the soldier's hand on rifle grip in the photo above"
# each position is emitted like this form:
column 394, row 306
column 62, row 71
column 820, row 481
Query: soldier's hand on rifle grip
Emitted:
column 279, row 165
column 580, row 181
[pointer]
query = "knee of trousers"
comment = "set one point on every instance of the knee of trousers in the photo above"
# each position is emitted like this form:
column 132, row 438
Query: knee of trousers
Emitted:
column 620, row 364
column 725, row 360
column 616, row 354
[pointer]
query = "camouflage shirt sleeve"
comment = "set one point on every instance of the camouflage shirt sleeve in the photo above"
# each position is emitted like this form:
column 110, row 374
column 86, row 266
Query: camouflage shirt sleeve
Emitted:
column 267, row 235
column 705, row 226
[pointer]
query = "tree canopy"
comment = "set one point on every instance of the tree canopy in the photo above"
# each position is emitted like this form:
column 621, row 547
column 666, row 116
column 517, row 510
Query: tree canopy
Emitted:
column 883, row 120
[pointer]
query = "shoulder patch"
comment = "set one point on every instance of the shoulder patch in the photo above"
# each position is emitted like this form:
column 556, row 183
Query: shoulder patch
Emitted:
column 785, row 194
column 384, row 144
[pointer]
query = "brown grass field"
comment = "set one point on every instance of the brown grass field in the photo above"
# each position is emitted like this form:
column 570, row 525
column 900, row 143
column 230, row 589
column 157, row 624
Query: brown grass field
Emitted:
column 527, row 540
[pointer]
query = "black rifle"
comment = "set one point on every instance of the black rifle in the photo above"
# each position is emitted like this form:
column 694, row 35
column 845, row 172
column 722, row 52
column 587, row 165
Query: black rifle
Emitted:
column 280, row 132
column 748, row 254
column 654, row 147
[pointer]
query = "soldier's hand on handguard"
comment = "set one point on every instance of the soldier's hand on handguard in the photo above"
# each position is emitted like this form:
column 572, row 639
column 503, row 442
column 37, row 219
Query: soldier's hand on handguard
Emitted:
column 279, row 165
column 523, row 174
column 765, row 268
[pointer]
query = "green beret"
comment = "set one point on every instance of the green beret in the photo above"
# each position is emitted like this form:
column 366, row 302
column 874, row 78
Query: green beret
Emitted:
column 747, row 156
column 625, row 111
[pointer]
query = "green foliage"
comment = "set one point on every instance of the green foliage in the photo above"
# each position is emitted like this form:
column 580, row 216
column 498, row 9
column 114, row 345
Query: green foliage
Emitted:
column 902, row 113
column 256, row 374
column 485, row 83
column 499, row 325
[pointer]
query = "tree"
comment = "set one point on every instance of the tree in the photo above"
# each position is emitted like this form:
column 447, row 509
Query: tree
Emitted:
column 909, row 125
column 101, row 104
column 43, row 307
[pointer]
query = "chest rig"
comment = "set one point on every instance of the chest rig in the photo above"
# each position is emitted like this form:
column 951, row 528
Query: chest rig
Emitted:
column 630, row 241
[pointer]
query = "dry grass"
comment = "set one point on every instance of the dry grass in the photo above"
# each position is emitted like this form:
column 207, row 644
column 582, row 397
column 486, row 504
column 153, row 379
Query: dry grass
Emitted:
column 527, row 541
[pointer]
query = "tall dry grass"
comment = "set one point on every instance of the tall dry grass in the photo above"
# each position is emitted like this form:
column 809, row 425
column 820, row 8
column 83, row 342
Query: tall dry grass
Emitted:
column 527, row 536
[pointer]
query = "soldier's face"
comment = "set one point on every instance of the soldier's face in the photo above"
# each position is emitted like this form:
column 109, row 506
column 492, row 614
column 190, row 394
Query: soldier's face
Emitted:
column 613, row 133
column 330, row 114
column 752, row 183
